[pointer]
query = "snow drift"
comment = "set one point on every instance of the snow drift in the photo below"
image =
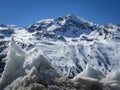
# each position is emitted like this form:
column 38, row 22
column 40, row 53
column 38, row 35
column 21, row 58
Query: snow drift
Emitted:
column 23, row 68
column 90, row 72
column 93, row 76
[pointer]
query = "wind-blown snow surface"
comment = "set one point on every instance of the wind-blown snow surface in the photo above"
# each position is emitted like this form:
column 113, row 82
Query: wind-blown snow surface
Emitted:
column 21, row 65
column 69, row 43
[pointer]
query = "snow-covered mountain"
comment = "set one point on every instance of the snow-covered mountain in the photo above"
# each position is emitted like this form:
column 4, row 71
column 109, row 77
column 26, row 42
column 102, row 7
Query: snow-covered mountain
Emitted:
column 69, row 26
column 74, row 39
column 69, row 43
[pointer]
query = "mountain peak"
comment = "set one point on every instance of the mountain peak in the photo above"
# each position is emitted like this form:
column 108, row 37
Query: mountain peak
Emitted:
column 74, row 17
column 68, row 26
column 71, row 15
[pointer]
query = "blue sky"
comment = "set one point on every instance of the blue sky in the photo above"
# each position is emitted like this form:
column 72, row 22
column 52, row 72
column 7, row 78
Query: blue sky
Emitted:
column 25, row 12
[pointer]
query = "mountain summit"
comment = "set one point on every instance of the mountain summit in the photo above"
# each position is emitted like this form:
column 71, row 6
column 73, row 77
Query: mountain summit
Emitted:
column 68, row 26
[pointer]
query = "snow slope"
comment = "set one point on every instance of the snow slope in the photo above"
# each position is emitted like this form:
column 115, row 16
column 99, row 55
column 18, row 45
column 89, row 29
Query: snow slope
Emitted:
column 33, row 71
